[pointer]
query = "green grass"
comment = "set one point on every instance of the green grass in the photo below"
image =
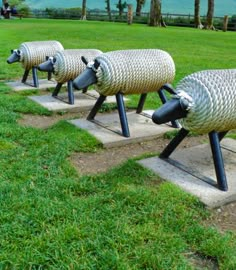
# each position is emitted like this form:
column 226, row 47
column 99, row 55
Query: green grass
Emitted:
column 54, row 218
column 191, row 49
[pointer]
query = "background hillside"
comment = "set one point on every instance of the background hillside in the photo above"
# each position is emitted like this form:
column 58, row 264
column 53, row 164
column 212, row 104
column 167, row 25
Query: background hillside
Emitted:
column 222, row 7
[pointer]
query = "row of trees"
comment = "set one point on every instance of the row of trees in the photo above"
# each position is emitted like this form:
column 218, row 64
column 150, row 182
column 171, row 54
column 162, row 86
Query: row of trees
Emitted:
column 155, row 12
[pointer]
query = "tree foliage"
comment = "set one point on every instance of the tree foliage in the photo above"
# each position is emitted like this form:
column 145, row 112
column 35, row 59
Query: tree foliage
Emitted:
column 19, row 5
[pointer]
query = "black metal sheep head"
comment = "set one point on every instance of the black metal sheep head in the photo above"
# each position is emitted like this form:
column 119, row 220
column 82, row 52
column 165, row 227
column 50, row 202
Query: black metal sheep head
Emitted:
column 88, row 77
column 176, row 108
column 14, row 57
column 48, row 65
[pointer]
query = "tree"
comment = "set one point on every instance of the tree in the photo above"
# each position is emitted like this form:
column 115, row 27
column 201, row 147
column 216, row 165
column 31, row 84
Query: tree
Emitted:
column 108, row 8
column 210, row 13
column 140, row 4
column 130, row 14
column 15, row 2
column 155, row 14
column 83, row 14
column 121, row 6
column 17, row 7
column 197, row 19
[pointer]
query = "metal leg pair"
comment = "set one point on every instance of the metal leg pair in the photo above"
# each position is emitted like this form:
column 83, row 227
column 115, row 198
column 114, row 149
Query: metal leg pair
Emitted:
column 71, row 99
column 121, row 110
column 163, row 98
column 35, row 77
column 215, row 139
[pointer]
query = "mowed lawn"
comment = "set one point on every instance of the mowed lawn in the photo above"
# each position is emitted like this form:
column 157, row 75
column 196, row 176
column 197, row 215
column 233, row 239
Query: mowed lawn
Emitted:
column 51, row 217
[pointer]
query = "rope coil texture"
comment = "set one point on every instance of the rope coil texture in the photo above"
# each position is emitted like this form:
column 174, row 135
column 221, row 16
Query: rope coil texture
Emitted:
column 134, row 71
column 35, row 52
column 214, row 100
column 68, row 64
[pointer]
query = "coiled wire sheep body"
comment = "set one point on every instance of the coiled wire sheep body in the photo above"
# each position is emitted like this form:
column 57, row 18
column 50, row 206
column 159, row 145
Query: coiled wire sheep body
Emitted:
column 34, row 53
column 68, row 64
column 134, row 71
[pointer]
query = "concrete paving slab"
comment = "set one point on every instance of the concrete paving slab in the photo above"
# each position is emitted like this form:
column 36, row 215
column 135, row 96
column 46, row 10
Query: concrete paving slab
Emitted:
column 192, row 169
column 107, row 128
column 82, row 102
column 43, row 84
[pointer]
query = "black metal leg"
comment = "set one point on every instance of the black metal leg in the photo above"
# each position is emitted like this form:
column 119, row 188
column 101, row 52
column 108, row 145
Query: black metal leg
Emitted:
column 25, row 76
column 35, row 77
column 163, row 99
column 162, row 96
column 49, row 76
column 169, row 88
column 57, row 89
column 96, row 107
column 122, row 115
column 141, row 102
column 70, row 92
column 174, row 143
column 222, row 134
column 218, row 161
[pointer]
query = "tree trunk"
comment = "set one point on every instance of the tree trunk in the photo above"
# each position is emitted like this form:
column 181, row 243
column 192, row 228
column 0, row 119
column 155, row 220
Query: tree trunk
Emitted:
column 108, row 8
column 155, row 14
column 130, row 15
column 225, row 23
column 83, row 15
column 210, row 13
column 138, row 8
column 197, row 19
column 120, row 7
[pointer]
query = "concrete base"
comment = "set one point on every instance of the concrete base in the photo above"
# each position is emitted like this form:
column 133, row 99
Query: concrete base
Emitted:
column 43, row 84
column 193, row 170
column 82, row 102
column 107, row 128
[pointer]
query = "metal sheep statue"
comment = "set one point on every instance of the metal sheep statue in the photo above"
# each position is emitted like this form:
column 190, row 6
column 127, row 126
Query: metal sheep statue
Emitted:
column 66, row 65
column 31, row 54
column 127, row 72
column 205, row 103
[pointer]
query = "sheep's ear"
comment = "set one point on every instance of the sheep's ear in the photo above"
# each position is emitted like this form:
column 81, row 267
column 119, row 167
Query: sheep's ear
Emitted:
column 84, row 60
column 96, row 64
column 47, row 57
column 12, row 51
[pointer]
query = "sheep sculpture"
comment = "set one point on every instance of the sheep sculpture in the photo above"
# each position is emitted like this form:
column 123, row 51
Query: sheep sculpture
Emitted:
column 66, row 65
column 205, row 103
column 31, row 54
column 127, row 72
